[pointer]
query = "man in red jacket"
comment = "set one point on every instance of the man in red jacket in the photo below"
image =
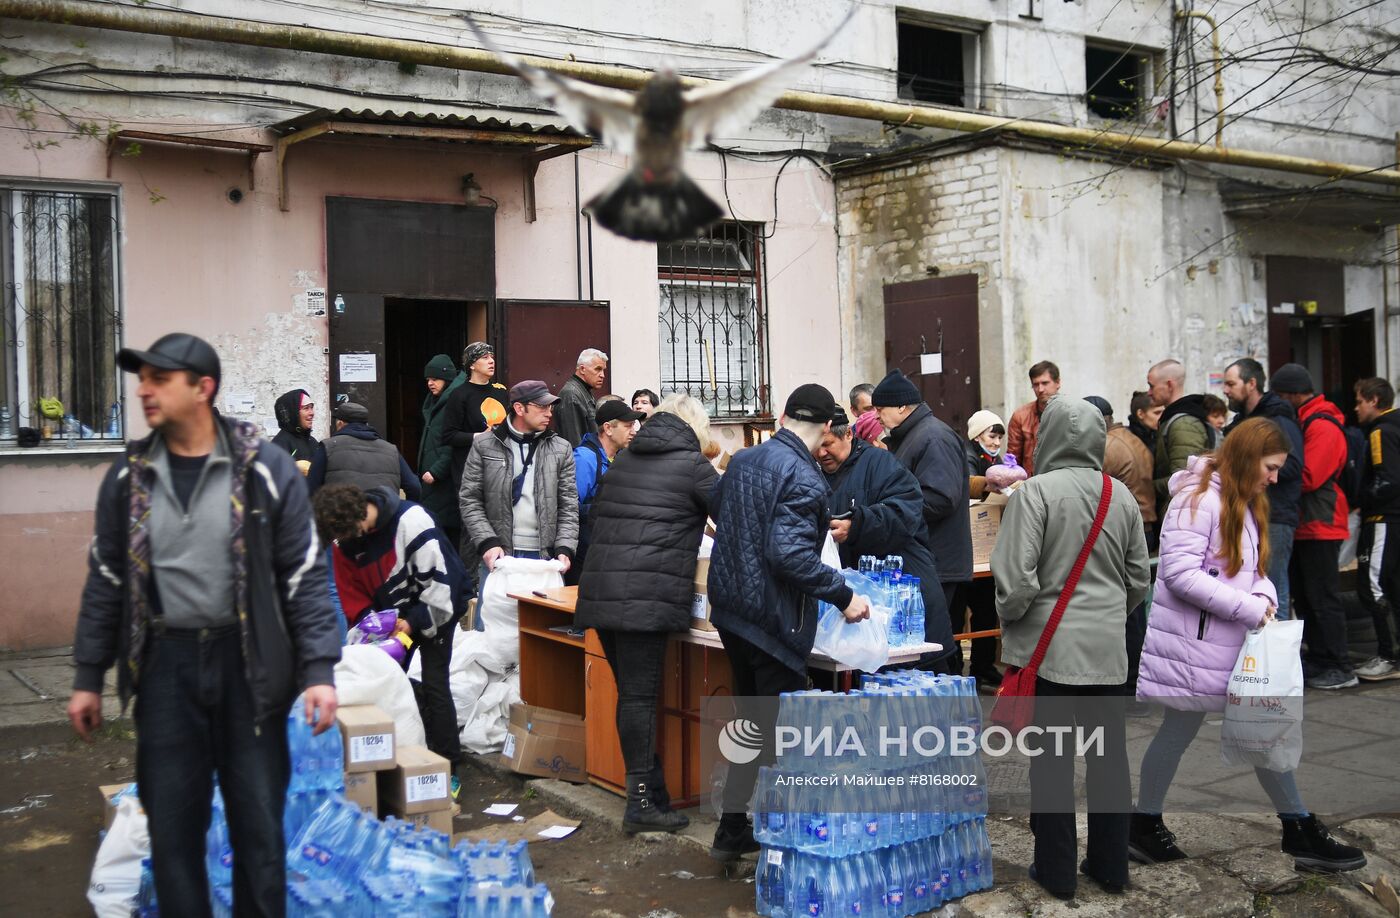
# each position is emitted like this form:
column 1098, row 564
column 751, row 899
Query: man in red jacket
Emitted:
column 1021, row 433
column 1322, row 527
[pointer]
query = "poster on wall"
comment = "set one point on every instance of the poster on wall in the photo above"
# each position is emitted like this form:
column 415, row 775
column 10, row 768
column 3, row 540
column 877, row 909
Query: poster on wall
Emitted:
column 358, row 368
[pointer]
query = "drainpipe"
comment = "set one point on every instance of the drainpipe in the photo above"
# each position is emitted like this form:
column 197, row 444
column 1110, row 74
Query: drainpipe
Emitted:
column 1219, row 82
column 300, row 38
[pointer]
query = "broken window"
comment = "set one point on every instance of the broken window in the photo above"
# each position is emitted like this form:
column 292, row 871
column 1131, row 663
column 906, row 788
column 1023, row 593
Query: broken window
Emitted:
column 938, row 64
column 59, row 325
column 1117, row 81
column 713, row 320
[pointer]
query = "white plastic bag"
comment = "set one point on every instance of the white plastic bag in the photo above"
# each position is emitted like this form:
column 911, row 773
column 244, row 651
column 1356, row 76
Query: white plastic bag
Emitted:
column 864, row 645
column 366, row 675
column 499, row 614
column 831, row 555
column 116, row 873
column 1264, row 701
column 1346, row 556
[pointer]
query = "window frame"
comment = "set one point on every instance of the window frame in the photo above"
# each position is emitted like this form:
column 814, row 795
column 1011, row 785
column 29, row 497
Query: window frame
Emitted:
column 756, row 278
column 16, row 362
column 1149, row 60
column 973, row 35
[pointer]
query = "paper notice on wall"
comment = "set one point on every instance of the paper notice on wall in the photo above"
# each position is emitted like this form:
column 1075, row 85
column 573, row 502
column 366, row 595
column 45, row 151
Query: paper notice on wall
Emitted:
column 236, row 402
column 930, row 364
column 358, row 368
column 1286, row 309
column 310, row 302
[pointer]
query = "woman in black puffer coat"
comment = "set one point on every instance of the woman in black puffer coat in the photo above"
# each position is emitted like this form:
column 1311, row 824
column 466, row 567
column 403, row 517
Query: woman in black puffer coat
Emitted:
column 637, row 584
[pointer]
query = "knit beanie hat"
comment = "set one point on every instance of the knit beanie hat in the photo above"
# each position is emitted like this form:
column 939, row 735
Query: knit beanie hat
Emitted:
column 1101, row 403
column 1291, row 378
column 868, row 427
column 981, row 422
column 440, row 367
column 895, row 391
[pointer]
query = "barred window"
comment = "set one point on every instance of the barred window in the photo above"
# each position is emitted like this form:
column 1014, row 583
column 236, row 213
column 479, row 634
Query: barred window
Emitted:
column 713, row 321
column 60, row 321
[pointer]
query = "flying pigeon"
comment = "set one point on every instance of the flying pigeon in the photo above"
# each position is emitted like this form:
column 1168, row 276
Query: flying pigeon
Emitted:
column 655, row 200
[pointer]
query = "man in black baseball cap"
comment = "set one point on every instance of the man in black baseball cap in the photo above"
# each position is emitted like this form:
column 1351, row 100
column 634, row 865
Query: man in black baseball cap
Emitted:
column 617, row 425
column 175, row 351
column 219, row 517
column 766, row 576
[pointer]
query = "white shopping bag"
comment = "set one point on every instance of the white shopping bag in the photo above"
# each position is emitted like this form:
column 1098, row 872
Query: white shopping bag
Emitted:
column 498, row 614
column 1264, row 701
column 116, row 873
column 864, row 645
column 831, row 555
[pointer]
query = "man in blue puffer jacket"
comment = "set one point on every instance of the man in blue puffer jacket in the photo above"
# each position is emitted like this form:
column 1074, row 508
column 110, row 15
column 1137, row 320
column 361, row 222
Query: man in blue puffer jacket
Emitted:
column 766, row 576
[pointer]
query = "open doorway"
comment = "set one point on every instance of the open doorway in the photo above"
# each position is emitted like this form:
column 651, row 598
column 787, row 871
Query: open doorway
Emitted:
column 415, row 330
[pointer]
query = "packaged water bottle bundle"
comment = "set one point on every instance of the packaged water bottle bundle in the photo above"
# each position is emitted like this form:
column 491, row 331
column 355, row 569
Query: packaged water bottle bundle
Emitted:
column 885, row 831
column 884, row 581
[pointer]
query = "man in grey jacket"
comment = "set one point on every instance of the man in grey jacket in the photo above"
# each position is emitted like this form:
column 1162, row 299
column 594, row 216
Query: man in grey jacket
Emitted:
column 1043, row 530
column 518, row 493
column 577, row 401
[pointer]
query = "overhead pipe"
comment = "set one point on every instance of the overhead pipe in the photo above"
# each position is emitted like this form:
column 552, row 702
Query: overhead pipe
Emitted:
column 1219, row 81
column 199, row 27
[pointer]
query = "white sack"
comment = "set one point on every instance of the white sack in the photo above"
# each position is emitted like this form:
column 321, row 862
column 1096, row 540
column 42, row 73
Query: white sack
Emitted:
column 116, row 874
column 367, row 675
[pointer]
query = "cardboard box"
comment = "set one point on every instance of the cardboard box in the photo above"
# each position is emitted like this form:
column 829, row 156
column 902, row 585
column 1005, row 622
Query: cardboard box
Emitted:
column 362, row 789
column 420, row 782
column 368, row 734
column 437, row 820
column 109, row 810
column 700, row 607
column 545, row 743
column 986, row 521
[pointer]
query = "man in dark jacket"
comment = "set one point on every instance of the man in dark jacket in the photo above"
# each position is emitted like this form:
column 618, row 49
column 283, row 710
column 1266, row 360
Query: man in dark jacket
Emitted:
column 241, row 623
column 1244, row 387
column 435, row 456
column 295, row 414
column 475, row 407
column 617, row 425
column 1378, row 555
column 1183, row 430
column 1322, row 527
column 877, row 510
column 574, row 416
column 933, row 451
column 766, row 576
column 356, row 454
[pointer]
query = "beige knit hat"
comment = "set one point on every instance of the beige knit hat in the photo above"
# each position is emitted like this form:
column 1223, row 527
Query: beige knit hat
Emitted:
column 981, row 422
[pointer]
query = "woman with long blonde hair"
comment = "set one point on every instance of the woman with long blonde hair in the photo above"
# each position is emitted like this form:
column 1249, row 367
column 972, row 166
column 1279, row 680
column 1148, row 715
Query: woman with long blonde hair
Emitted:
column 1212, row 589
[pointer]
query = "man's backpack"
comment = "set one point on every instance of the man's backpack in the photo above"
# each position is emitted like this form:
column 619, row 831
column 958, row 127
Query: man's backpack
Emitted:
column 1351, row 479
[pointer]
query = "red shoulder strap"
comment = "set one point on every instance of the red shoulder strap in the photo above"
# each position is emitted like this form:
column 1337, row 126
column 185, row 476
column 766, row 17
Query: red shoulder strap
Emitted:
column 1073, row 580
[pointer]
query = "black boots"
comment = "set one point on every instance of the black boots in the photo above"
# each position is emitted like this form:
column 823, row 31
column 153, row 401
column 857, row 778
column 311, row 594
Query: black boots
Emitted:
column 1314, row 848
column 643, row 814
column 656, row 785
column 1151, row 842
column 733, row 839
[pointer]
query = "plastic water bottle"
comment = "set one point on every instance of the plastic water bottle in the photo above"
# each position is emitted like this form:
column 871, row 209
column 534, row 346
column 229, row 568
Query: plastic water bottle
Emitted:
column 218, row 849
column 773, row 882
column 114, row 421
column 917, row 611
column 7, row 423
column 812, row 894
column 70, row 431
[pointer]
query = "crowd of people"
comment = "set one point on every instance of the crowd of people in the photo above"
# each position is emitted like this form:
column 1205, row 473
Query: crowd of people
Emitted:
column 619, row 493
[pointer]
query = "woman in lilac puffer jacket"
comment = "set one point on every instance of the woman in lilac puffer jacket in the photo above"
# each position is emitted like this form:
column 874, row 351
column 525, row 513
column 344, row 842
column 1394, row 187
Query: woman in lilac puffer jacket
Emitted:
column 1211, row 590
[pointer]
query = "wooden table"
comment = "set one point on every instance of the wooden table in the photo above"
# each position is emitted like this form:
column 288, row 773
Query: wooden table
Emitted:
column 567, row 671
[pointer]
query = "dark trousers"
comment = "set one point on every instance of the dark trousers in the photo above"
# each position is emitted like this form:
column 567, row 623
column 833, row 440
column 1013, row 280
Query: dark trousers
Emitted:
column 756, row 675
column 194, row 717
column 636, row 658
column 982, row 602
column 1378, row 582
column 1108, row 783
column 434, row 696
column 1313, row 572
column 955, row 595
column 1135, row 634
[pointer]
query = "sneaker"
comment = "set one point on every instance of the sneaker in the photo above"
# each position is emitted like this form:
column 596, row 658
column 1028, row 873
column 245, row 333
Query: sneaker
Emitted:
column 1377, row 669
column 1332, row 680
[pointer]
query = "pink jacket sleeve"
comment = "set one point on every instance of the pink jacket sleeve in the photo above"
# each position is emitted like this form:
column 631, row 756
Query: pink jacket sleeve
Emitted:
column 1182, row 568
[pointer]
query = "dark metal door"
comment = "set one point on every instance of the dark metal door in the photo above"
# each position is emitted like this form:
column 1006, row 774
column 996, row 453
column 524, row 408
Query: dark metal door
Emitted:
column 937, row 316
column 541, row 339
column 357, row 352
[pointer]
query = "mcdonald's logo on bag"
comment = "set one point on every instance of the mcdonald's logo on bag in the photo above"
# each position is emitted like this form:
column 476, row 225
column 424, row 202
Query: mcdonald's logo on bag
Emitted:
column 1250, row 665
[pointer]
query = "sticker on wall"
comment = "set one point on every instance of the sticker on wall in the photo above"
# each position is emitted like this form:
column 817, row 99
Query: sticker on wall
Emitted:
column 1309, row 306
column 310, row 302
column 1285, row 309
column 930, row 364
column 1215, row 381
column 358, row 368
column 238, row 402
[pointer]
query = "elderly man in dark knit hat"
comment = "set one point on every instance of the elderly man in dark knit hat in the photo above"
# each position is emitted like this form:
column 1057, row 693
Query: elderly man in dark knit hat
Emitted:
column 1322, row 528
column 933, row 451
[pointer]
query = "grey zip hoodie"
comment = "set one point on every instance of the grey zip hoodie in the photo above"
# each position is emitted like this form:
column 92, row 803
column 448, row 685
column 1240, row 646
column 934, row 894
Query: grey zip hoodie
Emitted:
column 192, row 547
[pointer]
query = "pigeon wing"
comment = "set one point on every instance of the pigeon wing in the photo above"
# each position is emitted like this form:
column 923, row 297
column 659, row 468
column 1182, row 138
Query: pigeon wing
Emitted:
column 597, row 110
column 717, row 108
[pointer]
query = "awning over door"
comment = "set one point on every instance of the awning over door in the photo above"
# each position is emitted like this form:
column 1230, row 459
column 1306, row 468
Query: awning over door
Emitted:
column 1331, row 205
column 534, row 138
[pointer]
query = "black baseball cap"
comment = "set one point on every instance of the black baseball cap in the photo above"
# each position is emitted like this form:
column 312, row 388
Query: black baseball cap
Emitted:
column 811, row 402
column 532, row 392
column 175, row 351
column 616, row 410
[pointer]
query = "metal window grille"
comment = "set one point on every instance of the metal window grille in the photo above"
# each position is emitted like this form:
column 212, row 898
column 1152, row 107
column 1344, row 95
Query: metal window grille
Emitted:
column 60, row 320
column 713, row 334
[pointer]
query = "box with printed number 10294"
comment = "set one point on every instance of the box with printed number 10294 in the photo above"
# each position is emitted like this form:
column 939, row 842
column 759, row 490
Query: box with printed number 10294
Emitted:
column 368, row 734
